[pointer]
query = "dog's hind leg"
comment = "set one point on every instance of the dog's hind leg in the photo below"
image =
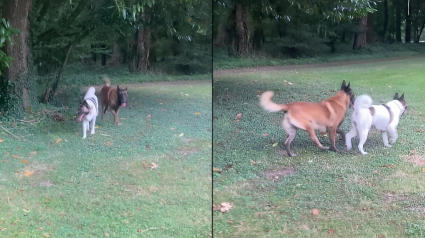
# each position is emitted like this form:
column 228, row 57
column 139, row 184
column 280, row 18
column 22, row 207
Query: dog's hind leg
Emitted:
column 352, row 133
column 85, row 127
column 362, row 140
column 290, row 131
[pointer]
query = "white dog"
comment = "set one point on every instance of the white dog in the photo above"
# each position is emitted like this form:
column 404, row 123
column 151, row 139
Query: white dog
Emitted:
column 88, row 110
column 384, row 117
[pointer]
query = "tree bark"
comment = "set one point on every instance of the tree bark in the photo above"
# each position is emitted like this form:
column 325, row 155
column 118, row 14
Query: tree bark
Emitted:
column 398, row 6
column 103, row 56
column 384, row 31
column 143, row 50
column 407, row 37
column 17, row 12
column 360, row 35
column 242, row 30
column 371, row 36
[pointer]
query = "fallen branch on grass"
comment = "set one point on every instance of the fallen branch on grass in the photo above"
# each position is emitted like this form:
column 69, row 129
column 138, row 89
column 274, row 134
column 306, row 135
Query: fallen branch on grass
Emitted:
column 10, row 133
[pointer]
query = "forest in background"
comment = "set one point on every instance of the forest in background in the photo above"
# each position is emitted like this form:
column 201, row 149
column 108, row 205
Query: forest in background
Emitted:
column 40, row 38
column 302, row 28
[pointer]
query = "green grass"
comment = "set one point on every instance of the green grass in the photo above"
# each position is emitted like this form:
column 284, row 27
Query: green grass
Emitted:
column 343, row 53
column 104, row 185
column 377, row 195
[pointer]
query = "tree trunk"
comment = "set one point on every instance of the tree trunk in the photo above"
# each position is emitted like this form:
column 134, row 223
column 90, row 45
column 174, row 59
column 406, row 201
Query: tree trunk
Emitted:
column 398, row 6
column 17, row 12
column 407, row 37
column 242, row 30
column 371, row 36
column 416, row 24
column 117, row 57
column 360, row 35
column 93, row 54
column 384, row 31
column 143, row 50
column 258, row 38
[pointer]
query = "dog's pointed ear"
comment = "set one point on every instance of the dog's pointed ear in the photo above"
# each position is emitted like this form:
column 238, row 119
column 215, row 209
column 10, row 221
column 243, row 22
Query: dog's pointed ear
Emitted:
column 118, row 87
column 395, row 96
column 348, row 86
column 343, row 85
column 402, row 97
column 125, row 88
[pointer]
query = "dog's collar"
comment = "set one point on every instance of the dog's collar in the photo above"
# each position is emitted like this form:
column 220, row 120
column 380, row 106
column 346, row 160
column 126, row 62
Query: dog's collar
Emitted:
column 390, row 111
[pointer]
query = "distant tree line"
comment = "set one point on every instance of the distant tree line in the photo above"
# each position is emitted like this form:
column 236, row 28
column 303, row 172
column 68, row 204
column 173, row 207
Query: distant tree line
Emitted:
column 296, row 26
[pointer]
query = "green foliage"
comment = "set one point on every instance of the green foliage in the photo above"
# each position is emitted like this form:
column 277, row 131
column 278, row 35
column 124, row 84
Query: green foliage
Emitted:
column 6, row 32
column 415, row 230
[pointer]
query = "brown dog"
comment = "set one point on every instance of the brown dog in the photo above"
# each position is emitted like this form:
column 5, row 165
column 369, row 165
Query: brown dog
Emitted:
column 324, row 116
column 113, row 98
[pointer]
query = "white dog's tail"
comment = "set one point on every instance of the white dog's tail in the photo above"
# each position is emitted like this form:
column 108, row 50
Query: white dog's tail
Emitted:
column 363, row 101
column 107, row 81
column 268, row 105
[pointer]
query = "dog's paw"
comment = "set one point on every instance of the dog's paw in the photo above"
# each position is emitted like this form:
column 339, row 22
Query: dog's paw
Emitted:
column 363, row 152
column 388, row 145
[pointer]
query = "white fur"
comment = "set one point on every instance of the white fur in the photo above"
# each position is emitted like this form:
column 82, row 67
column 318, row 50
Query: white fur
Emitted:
column 362, row 120
column 267, row 104
column 89, row 120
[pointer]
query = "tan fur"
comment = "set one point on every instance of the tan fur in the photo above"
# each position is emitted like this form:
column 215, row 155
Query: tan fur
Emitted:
column 323, row 116
column 109, row 100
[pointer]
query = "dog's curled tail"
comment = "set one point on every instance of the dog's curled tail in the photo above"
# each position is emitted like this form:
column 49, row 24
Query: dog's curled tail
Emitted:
column 363, row 101
column 107, row 81
column 268, row 105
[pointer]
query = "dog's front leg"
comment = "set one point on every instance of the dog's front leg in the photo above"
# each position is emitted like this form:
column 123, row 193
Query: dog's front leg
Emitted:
column 85, row 127
column 116, row 119
column 332, row 136
column 385, row 139
column 393, row 135
column 92, row 125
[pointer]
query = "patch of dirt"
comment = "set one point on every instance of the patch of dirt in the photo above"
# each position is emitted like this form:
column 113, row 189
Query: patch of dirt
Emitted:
column 153, row 84
column 37, row 168
column 276, row 174
column 392, row 198
column 281, row 152
column 135, row 190
column 307, row 66
column 416, row 159
column 418, row 209
column 187, row 150
column 46, row 183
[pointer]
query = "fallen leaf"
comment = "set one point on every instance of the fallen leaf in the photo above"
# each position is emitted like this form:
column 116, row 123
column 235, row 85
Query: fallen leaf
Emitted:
column 315, row 212
column 40, row 228
column 28, row 173
column 148, row 117
column 58, row 140
column 24, row 161
column 275, row 144
column 96, row 127
column 4, row 160
column 109, row 143
column 48, row 223
column 7, row 153
column 33, row 153
column 254, row 163
column 388, row 166
column 197, row 113
column 182, row 134
column 217, row 170
column 423, row 169
column 224, row 207
column 154, row 166
column 14, row 223
column 230, row 222
column 2, row 229
column 238, row 116
column 46, row 235
column 265, row 134
column 139, row 230
column 25, row 210
column 413, row 152
column 106, row 234
column 1, row 141
column 17, row 156
column 331, row 231
column 122, row 118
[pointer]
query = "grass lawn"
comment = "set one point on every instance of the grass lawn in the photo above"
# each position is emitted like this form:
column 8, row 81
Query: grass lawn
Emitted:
column 381, row 194
column 55, row 184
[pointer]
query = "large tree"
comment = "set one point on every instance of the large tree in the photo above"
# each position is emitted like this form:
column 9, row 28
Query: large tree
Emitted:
column 15, row 78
